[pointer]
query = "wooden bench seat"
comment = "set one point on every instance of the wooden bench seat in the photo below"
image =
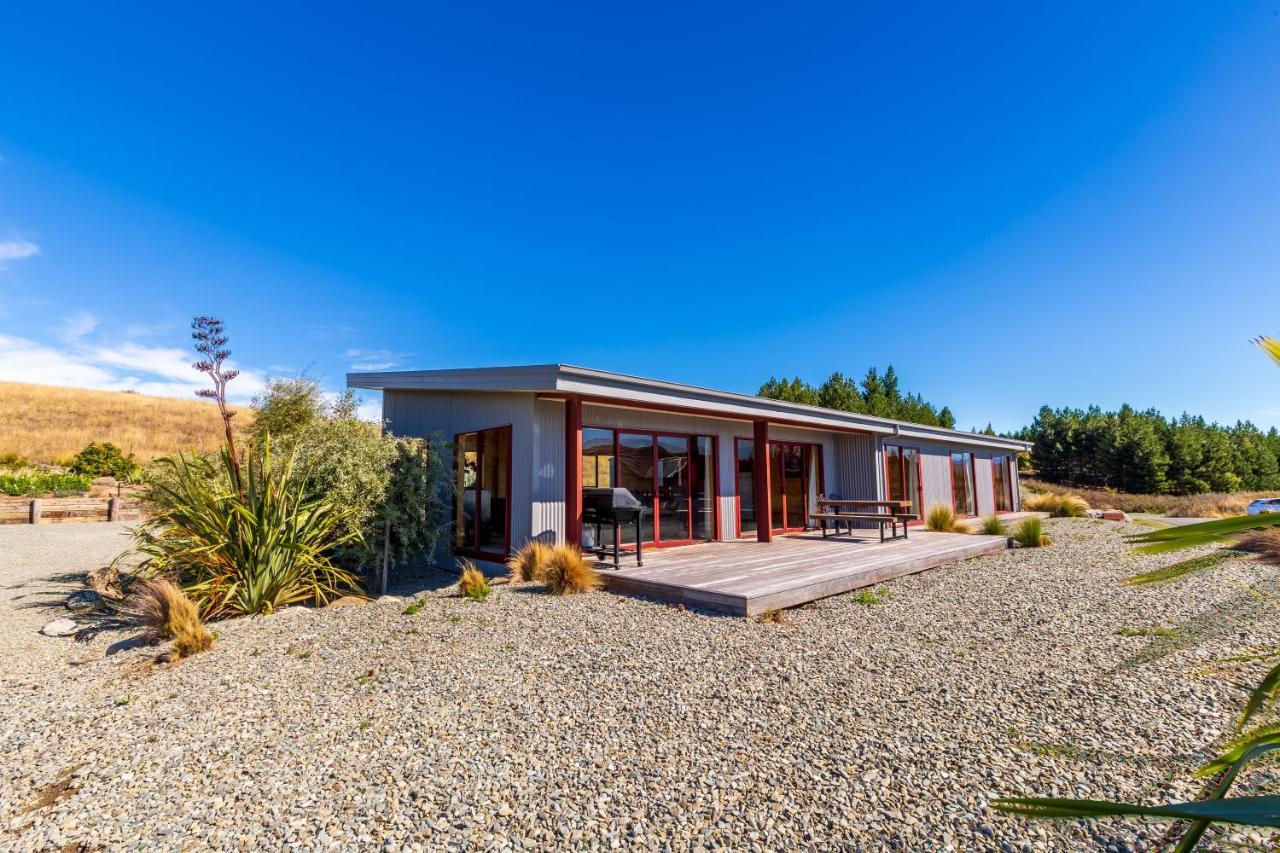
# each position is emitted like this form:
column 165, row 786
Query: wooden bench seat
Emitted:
column 881, row 518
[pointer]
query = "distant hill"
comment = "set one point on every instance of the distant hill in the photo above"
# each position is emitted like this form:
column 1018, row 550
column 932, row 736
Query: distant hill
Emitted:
column 49, row 424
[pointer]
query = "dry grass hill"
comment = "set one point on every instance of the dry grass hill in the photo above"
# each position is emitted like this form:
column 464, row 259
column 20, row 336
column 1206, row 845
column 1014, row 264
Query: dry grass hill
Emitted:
column 48, row 424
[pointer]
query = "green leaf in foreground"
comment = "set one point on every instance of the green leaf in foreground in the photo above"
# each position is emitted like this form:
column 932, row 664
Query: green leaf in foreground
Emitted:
column 1165, row 574
column 1205, row 533
column 1252, row 811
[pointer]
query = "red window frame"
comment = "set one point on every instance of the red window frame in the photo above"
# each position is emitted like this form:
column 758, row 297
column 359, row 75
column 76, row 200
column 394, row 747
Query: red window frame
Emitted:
column 1004, row 464
column 919, row 476
column 477, row 552
column 658, row 541
column 822, row 486
column 951, row 482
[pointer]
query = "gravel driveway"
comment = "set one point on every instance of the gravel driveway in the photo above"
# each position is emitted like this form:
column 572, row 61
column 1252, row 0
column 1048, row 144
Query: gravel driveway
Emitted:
column 529, row 721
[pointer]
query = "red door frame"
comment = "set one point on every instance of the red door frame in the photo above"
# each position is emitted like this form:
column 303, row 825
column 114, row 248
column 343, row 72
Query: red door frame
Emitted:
column 1008, row 483
column 919, row 476
column 951, row 482
column 476, row 552
column 805, row 483
column 658, row 542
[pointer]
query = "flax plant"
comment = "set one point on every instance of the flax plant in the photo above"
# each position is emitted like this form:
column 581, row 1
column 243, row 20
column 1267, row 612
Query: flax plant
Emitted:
column 248, row 550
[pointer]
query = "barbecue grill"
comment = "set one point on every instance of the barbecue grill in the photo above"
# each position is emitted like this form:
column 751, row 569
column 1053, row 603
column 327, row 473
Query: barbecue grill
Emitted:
column 614, row 507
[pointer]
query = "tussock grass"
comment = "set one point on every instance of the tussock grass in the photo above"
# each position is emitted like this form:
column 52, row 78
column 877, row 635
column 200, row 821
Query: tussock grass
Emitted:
column 1057, row 504
column 569, row 573
column 50, row 425
column 526, row 564
column 1209, row 505
column 1030, row 534
column 993, row 525
column 1180, row 569
column 941, row 518
column 1264, row 543
column 167, row 614
column 473, row 584
column 772, row 617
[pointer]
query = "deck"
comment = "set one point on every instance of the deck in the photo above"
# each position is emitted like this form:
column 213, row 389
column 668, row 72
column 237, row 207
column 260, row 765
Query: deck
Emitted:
column 745, row 578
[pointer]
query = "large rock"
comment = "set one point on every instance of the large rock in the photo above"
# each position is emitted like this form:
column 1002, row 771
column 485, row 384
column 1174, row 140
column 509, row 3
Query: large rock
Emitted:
column 85, row 601
column 1114, row 515
column 60, row 628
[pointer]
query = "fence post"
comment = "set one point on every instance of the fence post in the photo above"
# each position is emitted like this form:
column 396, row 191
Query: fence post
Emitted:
column 35, row 510
column 113, row 509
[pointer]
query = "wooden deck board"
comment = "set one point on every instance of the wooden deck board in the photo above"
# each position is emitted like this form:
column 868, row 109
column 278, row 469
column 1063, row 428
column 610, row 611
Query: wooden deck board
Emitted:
column 746, row 578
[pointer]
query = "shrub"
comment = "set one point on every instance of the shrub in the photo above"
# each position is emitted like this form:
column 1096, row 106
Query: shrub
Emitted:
column 380, row 478
column 105, row 460
column 34, row 483
column 1030, row 534
column 167, row 614
column 1042, row 502
column 527, row 563
column 941, row 518
column 568, row 572
column 473, row 584
column 1265, row 543
column 1072, row 506
column 993, row 525
column 254, row 552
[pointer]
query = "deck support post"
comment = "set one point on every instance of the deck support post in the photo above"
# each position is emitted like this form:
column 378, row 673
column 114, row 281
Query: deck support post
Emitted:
column 573, row 471
column 760, row 472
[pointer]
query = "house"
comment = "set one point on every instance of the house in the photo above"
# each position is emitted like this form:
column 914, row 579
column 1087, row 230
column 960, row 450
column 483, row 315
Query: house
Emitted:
column 709, row 465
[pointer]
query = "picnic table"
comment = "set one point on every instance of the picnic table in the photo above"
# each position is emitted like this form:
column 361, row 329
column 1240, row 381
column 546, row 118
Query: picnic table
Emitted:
column 842, row 509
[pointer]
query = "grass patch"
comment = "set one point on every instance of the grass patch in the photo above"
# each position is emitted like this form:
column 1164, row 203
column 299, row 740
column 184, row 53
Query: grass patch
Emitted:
column 473, row 584
column 1181, row 568
column 413, row 608
column 873, row 597
column 1153, row 523
column 772, row 617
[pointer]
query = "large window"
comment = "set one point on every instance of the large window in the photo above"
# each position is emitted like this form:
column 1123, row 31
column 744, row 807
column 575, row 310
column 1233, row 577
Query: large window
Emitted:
column 672, row 476
column 746, row 462
column 482, row 511
column 1002, row 482
column 962, row 492
column 902, row 477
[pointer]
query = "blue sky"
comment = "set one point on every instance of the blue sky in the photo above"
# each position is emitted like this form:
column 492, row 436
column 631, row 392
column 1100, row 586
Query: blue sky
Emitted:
column 1012, row 205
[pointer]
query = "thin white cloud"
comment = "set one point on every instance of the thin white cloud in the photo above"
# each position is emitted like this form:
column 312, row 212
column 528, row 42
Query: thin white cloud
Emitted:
column 77, row 326
column 16, row 250
column 380, row 359
column 128, row 366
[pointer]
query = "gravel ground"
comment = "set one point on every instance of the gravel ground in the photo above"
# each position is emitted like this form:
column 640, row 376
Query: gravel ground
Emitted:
column 601, row 721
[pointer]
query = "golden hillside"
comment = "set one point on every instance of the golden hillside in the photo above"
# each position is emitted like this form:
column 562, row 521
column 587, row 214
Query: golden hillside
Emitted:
column 44, row 423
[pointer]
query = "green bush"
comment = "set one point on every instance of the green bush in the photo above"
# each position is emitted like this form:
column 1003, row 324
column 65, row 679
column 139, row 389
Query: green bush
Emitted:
column 34, row 483
column 237, row 554
column 992, row 525
column 1030, row 533
column 380, row 478
column 105, row 460
column 941, row 518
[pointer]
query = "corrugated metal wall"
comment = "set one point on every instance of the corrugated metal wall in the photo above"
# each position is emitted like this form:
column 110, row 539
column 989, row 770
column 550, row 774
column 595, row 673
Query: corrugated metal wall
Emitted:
column 548, row 471
column 423, row 414
column 857, row 477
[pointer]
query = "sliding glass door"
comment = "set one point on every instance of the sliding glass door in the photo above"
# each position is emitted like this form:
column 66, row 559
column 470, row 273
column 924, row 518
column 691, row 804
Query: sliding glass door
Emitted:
column 745, row 455
column 1002, row 482
column 482, row 473
column 963, row 496
column 789, row 484
column 902, row 477
column 672, row 475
